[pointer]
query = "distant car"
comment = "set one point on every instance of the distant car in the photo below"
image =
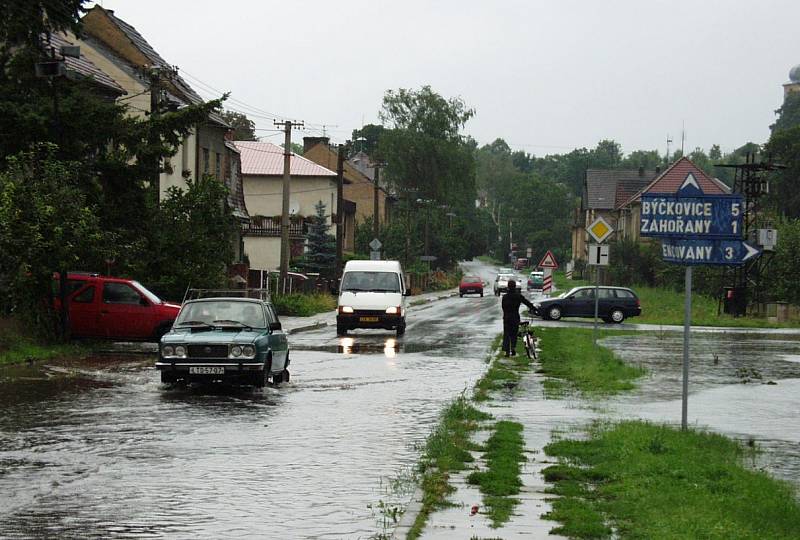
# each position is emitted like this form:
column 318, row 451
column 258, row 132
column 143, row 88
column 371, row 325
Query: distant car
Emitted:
column 470, row 285
column 521, row 263
column 535, row 281
column 114, row 308
column 615, row 304
column 226, row 339
column 501, row 282
column 505, row 270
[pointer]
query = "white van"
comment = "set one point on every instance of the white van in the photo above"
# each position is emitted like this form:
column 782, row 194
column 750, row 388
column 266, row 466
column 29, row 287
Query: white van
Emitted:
column 371, row 295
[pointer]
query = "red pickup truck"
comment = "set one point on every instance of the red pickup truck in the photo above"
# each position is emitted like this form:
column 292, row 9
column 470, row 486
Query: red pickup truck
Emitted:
column 114, row 308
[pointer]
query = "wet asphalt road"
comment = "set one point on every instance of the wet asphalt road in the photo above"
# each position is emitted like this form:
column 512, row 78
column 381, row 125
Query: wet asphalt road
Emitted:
column 100, row 449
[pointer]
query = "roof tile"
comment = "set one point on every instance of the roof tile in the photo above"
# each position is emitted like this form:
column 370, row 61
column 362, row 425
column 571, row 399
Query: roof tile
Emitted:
column 263, row 158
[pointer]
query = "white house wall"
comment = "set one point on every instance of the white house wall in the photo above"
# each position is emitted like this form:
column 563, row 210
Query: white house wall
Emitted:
column 264, row 195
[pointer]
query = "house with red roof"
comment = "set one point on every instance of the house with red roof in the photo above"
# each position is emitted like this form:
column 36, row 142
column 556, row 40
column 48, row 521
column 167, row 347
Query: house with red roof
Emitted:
column 262, row 173
column 629, row 210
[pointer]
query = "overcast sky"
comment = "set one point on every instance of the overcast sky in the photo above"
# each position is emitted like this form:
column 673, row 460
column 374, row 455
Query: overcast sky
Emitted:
column 545, row 76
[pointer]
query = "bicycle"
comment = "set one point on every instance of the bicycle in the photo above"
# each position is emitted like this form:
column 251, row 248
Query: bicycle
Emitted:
column 528, row 339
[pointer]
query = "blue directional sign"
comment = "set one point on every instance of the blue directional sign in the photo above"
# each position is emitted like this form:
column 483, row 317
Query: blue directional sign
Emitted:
column 707, row 252
column 690, row 213
column 701, row 216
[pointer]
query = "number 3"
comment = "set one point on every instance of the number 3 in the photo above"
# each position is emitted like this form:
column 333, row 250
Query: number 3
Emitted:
column 729, row 253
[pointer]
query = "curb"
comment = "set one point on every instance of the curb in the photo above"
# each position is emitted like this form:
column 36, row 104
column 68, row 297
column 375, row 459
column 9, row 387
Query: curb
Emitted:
column 308, row 327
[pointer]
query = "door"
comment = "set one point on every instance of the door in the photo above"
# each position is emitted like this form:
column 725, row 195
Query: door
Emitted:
column 581, row 304
column 278, row 343
column 607, row 301
column 124, row 312
column 84, row 312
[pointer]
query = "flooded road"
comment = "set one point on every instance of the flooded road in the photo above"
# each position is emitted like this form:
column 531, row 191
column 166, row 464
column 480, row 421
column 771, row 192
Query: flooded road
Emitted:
column 101, row 449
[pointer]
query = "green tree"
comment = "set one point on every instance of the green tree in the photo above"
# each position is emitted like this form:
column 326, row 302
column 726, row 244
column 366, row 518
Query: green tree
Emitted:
column 190, row 240
column 784, row 148
column 48, row 226
column 244, row 129
column 367, row 139
column 321, row 255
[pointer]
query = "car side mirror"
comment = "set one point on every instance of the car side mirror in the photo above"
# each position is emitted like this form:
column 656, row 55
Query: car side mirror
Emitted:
column 275, row 326
column 407, row 292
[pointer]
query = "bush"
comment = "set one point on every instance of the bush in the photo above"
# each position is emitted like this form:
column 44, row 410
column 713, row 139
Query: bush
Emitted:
column 303, row 305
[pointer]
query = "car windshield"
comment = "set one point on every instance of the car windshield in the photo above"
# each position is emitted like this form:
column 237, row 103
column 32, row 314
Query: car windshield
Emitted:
column 505, row 277
column 150, row 296
column 222, row 313
column 361, row 281
column 470, row 279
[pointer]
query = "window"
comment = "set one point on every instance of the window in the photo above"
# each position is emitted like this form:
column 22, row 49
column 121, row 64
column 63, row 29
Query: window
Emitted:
column 371, row 281
column 606, row 293
column 622, row 293
column 120, row 293
column 218, row 166
column 583, row 294
column 86, row 296
column 206, row 165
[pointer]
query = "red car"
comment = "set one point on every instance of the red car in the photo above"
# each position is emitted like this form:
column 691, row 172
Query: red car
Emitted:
column 470, row 285
column 115, row 308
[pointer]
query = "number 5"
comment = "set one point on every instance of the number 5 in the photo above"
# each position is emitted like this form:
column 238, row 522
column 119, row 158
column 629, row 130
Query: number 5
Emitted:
column 735, row 209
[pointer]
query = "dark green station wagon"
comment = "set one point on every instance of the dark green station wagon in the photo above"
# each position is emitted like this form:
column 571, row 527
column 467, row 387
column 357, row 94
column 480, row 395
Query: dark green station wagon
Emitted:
column 229, row 340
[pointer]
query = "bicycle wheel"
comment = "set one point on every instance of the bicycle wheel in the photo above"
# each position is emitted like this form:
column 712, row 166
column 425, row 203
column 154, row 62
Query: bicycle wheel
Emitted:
column 529, row 349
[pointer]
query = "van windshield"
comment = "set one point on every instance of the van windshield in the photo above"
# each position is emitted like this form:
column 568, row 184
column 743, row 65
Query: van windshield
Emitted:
column 360, row 281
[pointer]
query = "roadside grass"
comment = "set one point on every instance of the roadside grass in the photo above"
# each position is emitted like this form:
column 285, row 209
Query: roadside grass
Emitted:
column 635, row 479
column 17, row 346
column 303, row 305
column 570, row 360
column 503, row 373
column 446, row 451
column 504, row 453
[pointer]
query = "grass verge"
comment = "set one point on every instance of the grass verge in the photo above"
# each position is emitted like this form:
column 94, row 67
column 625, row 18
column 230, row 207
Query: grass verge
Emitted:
column 17, row 347
column 503, row 373
column 303, row 305
column 446, row 451
column 570, row 360
column 639, row 480
column 488, row 259
column 501, row 481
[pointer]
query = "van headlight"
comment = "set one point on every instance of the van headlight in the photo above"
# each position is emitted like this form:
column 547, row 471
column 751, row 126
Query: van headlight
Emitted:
column 345, row 309
column 394, row 310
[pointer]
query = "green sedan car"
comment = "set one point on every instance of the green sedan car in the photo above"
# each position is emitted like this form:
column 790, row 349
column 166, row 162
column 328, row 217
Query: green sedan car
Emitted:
column 225, row 340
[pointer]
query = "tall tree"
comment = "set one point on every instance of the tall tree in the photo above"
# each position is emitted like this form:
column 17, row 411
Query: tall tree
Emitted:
column 367, row 139
column 784, row 147
column 321, row 256
column 244, row 129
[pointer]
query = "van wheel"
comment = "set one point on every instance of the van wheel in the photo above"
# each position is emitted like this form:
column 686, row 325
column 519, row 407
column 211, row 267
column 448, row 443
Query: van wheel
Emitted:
column 341, row 330
column 401, row 329
column 281, row 377
column 617, row 316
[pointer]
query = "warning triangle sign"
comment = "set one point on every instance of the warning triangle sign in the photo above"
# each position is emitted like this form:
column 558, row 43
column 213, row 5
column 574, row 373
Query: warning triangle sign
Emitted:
column 548, row 261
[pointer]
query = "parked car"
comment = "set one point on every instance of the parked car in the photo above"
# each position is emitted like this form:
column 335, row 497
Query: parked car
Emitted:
column 470, row 285
column 505, row 270
column 225, row 340
column 114, row 308
column 615, row 304
column 501, row 282
column 521, row 263
column 372, row 295
column 535, row 281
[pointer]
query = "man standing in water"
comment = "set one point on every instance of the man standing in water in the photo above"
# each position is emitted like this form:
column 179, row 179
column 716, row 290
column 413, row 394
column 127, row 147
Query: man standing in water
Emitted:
column 511, row 302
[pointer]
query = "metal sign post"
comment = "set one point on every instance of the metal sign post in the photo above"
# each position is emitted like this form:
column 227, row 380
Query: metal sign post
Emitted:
column 598, row 256
column 695, row 229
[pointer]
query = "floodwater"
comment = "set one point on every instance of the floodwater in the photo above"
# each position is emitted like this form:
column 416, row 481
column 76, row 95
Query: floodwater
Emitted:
column 100, row 449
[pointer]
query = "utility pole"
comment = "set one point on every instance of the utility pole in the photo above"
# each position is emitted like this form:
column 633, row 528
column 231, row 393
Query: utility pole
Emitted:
column 376, row 221
column 287, row 160
column 339, row 207
column 154, row 74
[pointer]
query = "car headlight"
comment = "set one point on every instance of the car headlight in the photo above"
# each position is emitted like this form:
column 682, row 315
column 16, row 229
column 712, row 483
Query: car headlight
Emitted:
column 249, row 351
column 167, row 350
column 236, row 351
column 345, row 309
column 180, row 351
column 537, row 306
column 394, row 310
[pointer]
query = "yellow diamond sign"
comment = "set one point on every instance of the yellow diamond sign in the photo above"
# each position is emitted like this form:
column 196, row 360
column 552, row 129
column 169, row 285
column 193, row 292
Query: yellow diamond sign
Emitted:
column 600, row 230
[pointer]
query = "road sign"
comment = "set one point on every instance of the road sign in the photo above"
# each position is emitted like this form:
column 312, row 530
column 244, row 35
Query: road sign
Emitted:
column 529, row 252
column 599, row 230
column 375, row 245
column 427, row 258
column 374, row 255
column 548, row 261
column 598, row 255
column 710, row 252
column 692, row 214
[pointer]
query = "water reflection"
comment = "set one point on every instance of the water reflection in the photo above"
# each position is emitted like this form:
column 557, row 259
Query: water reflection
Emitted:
column 389, row 347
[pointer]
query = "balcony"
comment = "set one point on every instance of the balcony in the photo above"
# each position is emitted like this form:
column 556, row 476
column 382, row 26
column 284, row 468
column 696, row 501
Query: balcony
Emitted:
column 270, row 227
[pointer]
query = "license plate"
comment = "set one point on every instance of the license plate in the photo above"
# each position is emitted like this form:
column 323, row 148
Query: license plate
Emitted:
column 202, row 370
column 368, row 319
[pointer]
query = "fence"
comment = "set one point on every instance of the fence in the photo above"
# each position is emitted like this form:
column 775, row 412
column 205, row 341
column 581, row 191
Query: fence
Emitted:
column 294, row 283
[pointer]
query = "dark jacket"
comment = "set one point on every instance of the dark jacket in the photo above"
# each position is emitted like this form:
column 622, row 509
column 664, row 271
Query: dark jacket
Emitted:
column 511, row 302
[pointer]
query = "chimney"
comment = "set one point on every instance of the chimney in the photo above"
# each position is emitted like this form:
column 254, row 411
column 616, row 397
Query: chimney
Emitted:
column 641, row 171
column 310, row 142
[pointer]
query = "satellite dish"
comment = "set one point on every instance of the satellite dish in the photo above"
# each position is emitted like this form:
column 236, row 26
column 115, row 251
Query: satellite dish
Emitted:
column 294, row 208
